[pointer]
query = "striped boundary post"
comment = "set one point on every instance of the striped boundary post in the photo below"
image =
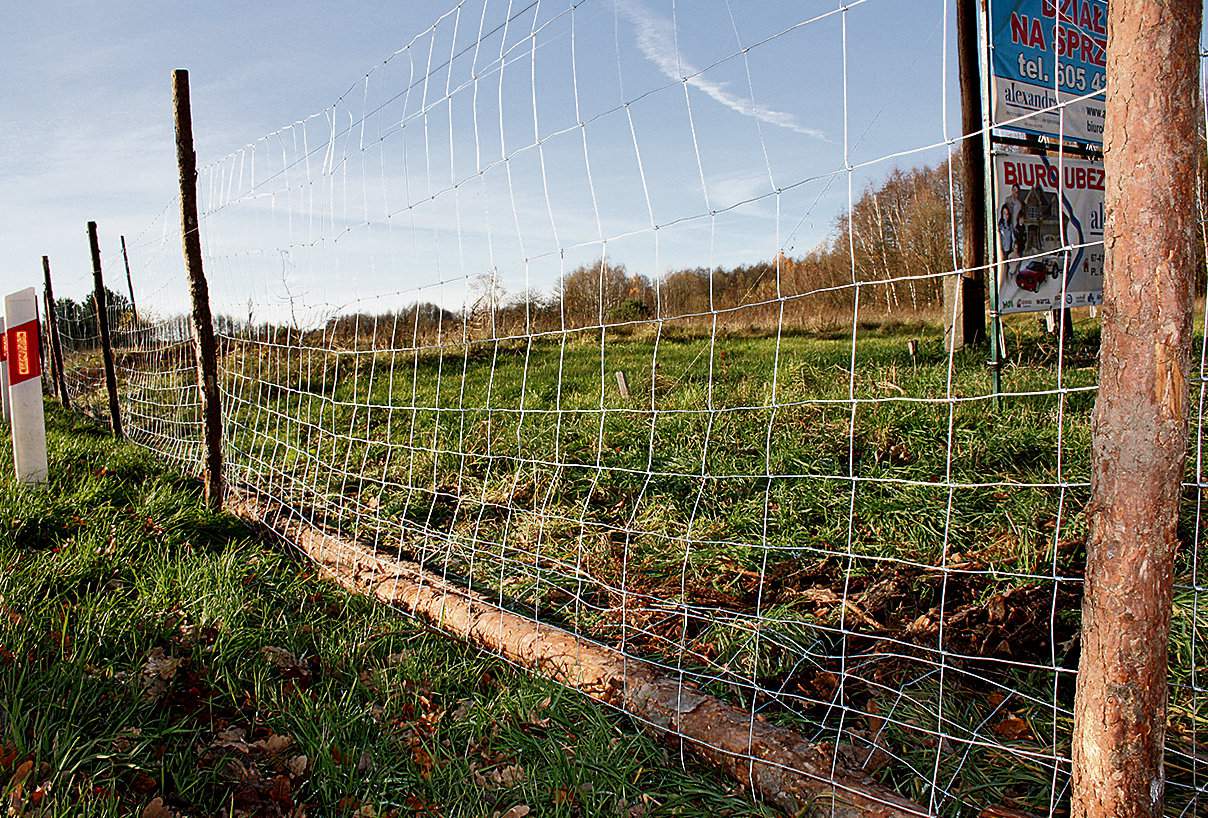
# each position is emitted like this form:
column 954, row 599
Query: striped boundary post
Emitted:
column 25, row 386
column 4, row 372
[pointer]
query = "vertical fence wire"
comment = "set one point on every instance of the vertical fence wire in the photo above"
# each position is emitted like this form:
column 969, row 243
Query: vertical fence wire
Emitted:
column 425, row 291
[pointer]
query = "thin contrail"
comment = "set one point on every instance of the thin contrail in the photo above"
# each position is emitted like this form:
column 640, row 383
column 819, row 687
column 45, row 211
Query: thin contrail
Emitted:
column 656, row 41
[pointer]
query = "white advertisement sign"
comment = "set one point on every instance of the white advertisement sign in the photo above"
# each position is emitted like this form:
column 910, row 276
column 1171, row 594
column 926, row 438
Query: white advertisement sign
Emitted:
column 1049, row 230
column 1048, row 65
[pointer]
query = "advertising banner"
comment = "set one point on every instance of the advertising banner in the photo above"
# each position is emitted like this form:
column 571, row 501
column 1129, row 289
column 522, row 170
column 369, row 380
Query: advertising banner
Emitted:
column 1044, row 54
column 25, row 385
column 1049, row 229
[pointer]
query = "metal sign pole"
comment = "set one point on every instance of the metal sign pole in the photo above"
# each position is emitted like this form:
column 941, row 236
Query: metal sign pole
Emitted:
column 995, row 328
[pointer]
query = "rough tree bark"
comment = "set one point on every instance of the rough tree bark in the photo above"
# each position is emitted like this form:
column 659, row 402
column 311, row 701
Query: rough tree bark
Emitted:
column 1140, row 419
column 789, row 772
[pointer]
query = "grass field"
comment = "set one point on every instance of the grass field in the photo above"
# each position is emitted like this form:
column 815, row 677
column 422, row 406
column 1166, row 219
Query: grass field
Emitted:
column 152, row 650
column 902, row 571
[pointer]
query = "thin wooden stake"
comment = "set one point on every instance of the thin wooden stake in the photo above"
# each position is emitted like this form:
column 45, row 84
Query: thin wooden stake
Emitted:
column 56, row 345
column 102, row 322
column 1139, row 428
column 44, row 338
column 204, row 342
column 129, row 281
column 622, row 385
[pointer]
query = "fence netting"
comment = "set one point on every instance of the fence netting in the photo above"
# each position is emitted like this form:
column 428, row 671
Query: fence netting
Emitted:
column 631, row 316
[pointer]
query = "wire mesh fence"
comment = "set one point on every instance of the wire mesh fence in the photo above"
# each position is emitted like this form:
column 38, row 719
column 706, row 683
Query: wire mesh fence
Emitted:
column 581, row 306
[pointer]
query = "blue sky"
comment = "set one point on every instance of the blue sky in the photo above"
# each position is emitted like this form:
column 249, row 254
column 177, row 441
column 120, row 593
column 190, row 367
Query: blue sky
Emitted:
column 88, row 135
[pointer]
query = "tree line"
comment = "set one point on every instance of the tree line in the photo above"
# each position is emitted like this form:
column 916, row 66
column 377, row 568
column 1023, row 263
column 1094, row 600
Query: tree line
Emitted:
column 77, row 319
column 897, row 244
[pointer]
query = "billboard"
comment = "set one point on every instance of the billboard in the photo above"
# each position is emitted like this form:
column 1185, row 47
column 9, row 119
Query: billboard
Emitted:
column 1044, row 54
column 1048, row 222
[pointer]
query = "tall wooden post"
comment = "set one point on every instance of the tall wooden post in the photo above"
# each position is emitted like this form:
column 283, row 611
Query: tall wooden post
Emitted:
column 973, row 178
column 203, row 325
column 102, row 323
column 1139, row 425
column 129, row 281
column 42, row 337
column 44, row 340
column 56, row 346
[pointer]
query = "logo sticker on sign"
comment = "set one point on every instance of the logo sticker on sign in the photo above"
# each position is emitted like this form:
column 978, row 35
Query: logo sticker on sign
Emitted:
column 24, row 364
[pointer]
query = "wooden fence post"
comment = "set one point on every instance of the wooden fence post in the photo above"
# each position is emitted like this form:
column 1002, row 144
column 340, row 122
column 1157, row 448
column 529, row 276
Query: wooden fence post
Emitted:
column 203, row 324
column 56, row 346
column 102, row 323
column 1139, row 427
column 972, row 293
column 129, row 281
column 44, row 340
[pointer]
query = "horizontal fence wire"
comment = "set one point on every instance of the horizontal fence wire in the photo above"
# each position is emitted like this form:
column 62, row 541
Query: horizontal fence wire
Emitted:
column 631, row 317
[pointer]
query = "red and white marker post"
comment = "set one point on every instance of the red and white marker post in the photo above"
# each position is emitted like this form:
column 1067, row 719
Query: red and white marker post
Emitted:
column 25, row 386
column 4, row 372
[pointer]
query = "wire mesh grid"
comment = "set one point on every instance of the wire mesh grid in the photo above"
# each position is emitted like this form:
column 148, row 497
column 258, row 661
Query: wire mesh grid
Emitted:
column 580, row 306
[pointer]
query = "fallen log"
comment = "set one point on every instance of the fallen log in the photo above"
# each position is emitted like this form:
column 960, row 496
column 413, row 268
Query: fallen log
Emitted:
column 796, row 776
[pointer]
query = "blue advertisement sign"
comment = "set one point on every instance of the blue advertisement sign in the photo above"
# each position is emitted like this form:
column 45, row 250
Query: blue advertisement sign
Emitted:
column 1048, row 65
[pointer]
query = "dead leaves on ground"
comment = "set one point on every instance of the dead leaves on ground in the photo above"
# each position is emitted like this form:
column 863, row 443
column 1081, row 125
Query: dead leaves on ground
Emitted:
column 157, row 674
column 263, row 772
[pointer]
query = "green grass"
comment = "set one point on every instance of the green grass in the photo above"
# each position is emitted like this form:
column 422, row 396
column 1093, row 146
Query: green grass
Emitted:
column 520, row 467
column 151, row 649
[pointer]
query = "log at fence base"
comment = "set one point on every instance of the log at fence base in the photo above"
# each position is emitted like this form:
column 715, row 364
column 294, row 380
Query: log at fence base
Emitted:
column 788, row 772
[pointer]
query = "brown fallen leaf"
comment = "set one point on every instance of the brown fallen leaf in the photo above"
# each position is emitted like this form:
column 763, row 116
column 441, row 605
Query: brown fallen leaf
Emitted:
column 518, row 811
column 157, row 673
column 297, row 766
column 274, row 744
column 1013, row 728
column 125, row 739
column 281, row 791
column 21, row 773
column 231, row 739
column 156, row 809
column 504, row 776
column 16, row 799
column 279, row 658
